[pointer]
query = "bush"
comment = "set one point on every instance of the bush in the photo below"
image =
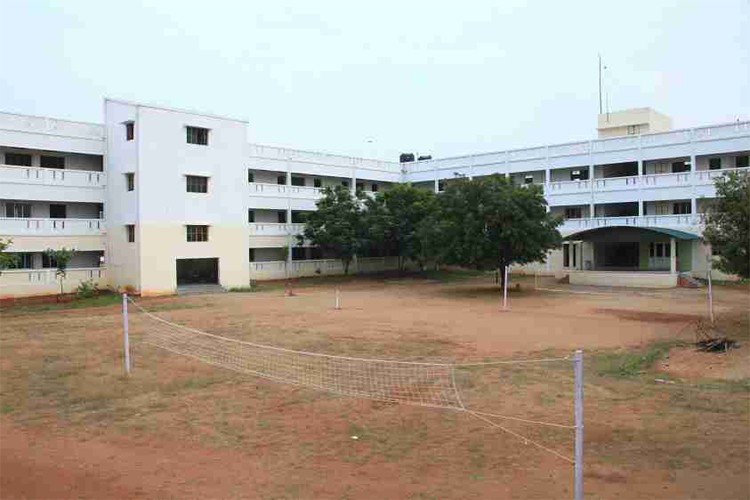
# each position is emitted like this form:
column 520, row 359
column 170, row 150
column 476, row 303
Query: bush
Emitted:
column 87, row 289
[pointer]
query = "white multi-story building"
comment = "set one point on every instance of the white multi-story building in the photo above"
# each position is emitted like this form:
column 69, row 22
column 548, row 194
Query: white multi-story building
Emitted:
column 156, row 197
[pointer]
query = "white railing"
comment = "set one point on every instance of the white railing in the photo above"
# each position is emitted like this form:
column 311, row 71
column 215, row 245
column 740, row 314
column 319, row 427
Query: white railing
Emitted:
column 615, row 183
column 52, row 176
column 16, row 278
column 278, row 269
column 686, row 220
column 666, row 180
column 567, row 187
column 708, row 176
column 284, row 191
column 318, row 158
column 38, row 124
column 275, row 229
column 50, row 227
column 582, row 148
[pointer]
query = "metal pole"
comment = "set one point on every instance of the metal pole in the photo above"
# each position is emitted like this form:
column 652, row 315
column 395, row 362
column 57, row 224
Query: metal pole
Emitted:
column 505, row 290
column 125, row 335
column 338, row 299
column 578, row 467
column 710, row 298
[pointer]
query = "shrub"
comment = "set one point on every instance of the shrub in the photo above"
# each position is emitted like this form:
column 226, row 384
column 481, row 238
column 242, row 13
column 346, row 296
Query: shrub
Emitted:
column 87, row 289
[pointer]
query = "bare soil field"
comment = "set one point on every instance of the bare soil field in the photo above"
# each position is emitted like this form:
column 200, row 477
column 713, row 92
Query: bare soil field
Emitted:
column 662, row 421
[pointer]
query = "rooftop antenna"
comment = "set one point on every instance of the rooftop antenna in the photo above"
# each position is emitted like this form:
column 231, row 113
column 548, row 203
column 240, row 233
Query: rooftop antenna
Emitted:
column 601, row 107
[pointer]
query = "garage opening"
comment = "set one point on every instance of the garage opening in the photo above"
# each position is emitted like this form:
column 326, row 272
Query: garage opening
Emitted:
column 197, row 271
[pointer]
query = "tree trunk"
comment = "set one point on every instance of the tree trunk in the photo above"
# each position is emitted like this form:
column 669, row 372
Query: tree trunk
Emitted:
column 346, row 266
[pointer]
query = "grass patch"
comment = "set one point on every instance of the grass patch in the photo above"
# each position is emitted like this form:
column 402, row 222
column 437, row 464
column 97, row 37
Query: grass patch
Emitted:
column 625, row 364
column 102, row 300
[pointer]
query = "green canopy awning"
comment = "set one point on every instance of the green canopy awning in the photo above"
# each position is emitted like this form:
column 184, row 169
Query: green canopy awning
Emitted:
column 672, row 233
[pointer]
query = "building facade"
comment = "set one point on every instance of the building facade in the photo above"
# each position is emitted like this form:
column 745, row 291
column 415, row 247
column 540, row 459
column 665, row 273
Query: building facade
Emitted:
column 155, row 198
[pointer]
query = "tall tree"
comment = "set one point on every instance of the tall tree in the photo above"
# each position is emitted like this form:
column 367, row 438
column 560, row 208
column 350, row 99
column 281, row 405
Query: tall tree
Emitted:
column 7, row 260
column 336, row 226
column 489, row 223
column 728, row 223
column 393, row 219
column 60, row 259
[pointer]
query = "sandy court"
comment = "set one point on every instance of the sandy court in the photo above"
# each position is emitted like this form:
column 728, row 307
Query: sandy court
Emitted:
column 73, row 426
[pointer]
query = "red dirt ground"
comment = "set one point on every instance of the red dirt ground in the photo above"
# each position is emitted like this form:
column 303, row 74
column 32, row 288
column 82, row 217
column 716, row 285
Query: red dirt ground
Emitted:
column 73, row 427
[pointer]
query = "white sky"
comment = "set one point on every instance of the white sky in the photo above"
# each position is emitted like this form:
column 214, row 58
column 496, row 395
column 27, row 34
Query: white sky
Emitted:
column 381, row 77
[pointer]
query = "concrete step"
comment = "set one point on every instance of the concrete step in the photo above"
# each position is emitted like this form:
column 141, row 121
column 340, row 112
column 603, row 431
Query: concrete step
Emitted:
column 687, row 281
column 199, row 289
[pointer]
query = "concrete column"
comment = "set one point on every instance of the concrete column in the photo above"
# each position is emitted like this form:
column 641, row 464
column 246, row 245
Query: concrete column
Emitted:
column 437, row 185
column 354, row 183
column 591, row 183
column 640, row 168
column 673, row 255
column 288, row 178
column 640, row 208
column 592, row 211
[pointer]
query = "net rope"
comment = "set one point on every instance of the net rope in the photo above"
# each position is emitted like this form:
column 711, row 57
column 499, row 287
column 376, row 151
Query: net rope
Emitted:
column 398, row 382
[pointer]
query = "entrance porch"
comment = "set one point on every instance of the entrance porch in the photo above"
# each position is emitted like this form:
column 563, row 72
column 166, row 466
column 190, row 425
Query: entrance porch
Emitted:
column 628, row 256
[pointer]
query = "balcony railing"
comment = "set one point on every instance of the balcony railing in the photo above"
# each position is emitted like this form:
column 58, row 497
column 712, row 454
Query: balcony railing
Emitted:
column 275, row 229
column 646, row 181
column 284, row 191
column 686, row 220
column 52, row 176
column 50, row 227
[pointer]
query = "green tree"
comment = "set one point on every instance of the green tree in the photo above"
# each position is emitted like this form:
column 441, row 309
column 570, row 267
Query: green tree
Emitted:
column 61, row 259
column 489, row 223
column 7, row 260
column 336, row 226
column 393, row 219
column 728, row 223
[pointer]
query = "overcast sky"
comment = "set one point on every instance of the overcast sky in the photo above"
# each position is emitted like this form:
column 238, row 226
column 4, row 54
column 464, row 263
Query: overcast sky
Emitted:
column 377, row 78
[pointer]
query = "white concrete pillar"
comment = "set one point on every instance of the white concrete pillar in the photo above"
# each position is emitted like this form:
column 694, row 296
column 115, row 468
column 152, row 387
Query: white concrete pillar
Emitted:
column 640, row 168
column 672, row 255
column 288, row 178
column 640, row 208
column 693, row 163
column 437, row 185
column 592, row 211
column 353, row 186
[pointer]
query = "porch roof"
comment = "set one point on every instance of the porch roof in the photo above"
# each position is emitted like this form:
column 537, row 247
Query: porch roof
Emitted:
column 672, row 233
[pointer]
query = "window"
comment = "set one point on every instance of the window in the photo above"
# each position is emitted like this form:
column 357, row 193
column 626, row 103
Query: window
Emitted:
column 130, row 180
column 19, row 159
column 573, row 213
column 57, row 211
column 48, row 261
column 659, row 250
column 318, row 183
column 281, row 179
column 298, row 253
column 298, row 181
column 250, row 176
column 299, row 217
column 579, row 175
column 24, row 260
column 375, row 188
column 130, row 230
column 680, row 166
column 634, row 129
column 18, row 210
column 251, row 254
column 714, row 163
column 360, row 186
column 129, row 131
column 197, row 135
column 528, row 179
column 197, row 233
column 441, row 186
column 52, row 161
column 345, row 184
column 742, row 161
column 681, row 207
column 566, row 255
column 281, row 216
column 251, row 216
column 196, row 184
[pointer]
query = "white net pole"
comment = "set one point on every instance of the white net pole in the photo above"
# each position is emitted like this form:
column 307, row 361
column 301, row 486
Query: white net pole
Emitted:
column 578, row 412
column 126, row 333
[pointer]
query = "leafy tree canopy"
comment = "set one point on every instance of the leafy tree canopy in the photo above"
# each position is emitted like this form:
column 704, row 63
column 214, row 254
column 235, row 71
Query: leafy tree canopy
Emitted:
column 7, row 260
column 489, row 223
column 336, row 226
column 728, row 224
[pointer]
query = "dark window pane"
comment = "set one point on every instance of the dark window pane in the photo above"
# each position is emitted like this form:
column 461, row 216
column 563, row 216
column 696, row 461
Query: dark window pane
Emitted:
column 714, row 163
column 197, row 135
column 196, row 184
column 52, row 161
column 19, row 159
column 281, row 179
column 129, row 131
column 742, row 161
column 298, row 181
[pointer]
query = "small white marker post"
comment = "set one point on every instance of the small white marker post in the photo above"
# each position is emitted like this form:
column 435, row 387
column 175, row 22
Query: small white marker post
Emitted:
column 710, row 297
column 338, row 299
column 578, row 412
column 125, row 337
column 505, row 290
